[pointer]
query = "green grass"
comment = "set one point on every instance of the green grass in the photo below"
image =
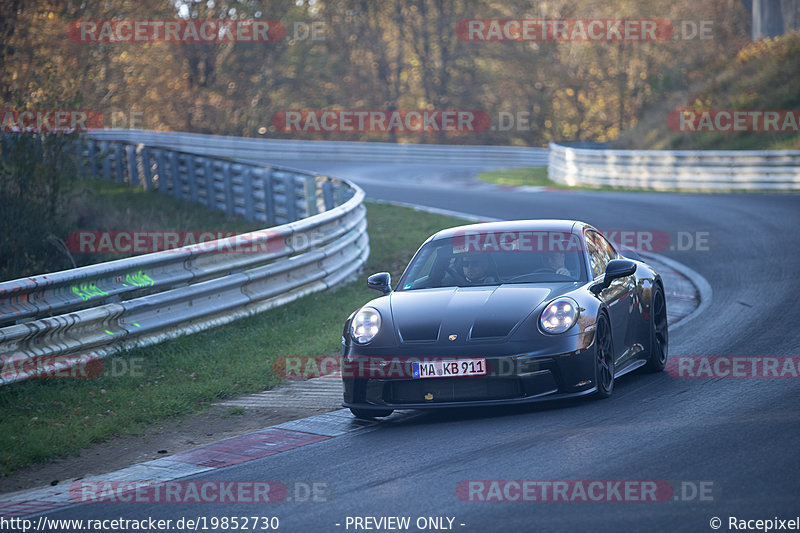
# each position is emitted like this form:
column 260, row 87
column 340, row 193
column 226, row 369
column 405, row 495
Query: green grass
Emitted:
column 44, row 419
column 537, row 176
column 517, row 177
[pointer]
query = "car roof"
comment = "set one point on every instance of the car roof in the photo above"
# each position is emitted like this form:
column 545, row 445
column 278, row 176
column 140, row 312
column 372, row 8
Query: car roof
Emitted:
column 567, row 226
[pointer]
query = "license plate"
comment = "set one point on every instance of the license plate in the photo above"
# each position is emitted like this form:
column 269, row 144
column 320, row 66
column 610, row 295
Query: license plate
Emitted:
column 448, row 368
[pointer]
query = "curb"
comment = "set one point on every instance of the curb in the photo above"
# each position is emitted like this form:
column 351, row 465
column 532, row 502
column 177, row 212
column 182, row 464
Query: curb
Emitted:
column 435, row 210
column 221, row 454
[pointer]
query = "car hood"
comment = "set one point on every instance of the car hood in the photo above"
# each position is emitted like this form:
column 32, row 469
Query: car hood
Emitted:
column 470, row 313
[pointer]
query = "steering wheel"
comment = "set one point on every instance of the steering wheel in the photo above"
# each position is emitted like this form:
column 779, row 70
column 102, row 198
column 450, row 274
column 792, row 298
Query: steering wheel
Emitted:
column 522, row 277
column 458, row 276
column 533, row 275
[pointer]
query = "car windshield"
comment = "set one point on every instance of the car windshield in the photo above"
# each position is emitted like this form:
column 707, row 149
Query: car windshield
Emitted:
column 495, row 259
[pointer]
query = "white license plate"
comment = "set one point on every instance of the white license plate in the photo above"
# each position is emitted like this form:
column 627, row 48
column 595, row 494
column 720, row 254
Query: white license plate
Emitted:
column 448, row 368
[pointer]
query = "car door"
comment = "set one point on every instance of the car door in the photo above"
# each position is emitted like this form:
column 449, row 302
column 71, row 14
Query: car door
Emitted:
column 617, row 296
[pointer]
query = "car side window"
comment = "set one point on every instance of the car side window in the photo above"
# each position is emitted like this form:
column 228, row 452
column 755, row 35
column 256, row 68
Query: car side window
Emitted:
column 606, row 247
column 598, row 256
column 420, row 272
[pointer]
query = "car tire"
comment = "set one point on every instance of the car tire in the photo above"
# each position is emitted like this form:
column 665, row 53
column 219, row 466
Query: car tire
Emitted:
column 368, row 414
column 659, row 332
column 603, row 358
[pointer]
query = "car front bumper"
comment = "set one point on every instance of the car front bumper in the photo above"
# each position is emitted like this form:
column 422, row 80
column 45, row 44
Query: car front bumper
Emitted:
column 372, row 383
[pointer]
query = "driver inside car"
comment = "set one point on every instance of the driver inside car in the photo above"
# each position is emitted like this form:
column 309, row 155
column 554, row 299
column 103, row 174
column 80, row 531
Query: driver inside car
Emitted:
column 555, row 261
column 476, row 269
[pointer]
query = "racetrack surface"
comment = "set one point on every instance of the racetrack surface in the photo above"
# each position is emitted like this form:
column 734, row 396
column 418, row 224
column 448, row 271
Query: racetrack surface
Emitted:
column 741, row 435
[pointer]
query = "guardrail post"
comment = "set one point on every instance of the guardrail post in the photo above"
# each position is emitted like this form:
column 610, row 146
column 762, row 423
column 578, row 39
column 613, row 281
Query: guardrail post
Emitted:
column 339, row 192
column 327, row 195
column 311, row 196
column 175, row 174
column 247, row 182
column 147, row 167
column 211, row 194
column 133, row 171
column 192, row 177
column 120, row 162
column 91, row 149
column 80, row 162
column 105, row 154
column 291, row 201
column 269, row 200
column 161, row 172
column 228, row 184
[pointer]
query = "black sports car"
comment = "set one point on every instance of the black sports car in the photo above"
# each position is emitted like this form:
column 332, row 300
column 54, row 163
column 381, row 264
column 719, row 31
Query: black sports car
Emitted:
column 502, row 313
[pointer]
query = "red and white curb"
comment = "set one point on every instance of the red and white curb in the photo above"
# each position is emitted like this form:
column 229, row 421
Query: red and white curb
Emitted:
column 233, row 451
column 319, row 393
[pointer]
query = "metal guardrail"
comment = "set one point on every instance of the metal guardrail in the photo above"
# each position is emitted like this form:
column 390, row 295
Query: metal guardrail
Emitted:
column 316, row 237
column 768, row 170
column 265, row 150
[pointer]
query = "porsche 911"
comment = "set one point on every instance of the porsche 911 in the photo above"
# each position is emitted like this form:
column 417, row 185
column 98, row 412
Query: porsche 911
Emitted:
column 504, row 313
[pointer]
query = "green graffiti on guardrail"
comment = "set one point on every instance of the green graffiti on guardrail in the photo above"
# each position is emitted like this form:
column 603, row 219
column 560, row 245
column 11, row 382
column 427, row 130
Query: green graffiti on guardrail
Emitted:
column 87, row 290
column 138, row 279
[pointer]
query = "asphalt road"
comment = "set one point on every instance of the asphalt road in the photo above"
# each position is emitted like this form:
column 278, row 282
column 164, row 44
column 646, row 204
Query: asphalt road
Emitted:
column 741, row 437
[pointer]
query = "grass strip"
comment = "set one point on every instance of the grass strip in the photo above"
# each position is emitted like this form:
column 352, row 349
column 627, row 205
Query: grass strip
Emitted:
column 537, row 177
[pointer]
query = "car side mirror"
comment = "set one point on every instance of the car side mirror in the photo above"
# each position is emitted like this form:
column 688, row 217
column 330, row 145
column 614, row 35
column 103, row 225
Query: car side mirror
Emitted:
column 615, row 269
column 382, row 281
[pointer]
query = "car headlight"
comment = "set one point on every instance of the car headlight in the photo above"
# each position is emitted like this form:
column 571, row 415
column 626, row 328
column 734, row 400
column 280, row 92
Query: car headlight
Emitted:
column 365, row 325
column 559, row 315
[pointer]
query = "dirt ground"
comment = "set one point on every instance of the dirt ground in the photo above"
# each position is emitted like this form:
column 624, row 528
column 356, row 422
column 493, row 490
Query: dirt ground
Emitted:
column 160, row 439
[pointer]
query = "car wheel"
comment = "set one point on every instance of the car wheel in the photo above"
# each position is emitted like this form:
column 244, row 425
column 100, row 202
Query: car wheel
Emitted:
column 366, row 414
column 659, row 332
column 603, row 358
